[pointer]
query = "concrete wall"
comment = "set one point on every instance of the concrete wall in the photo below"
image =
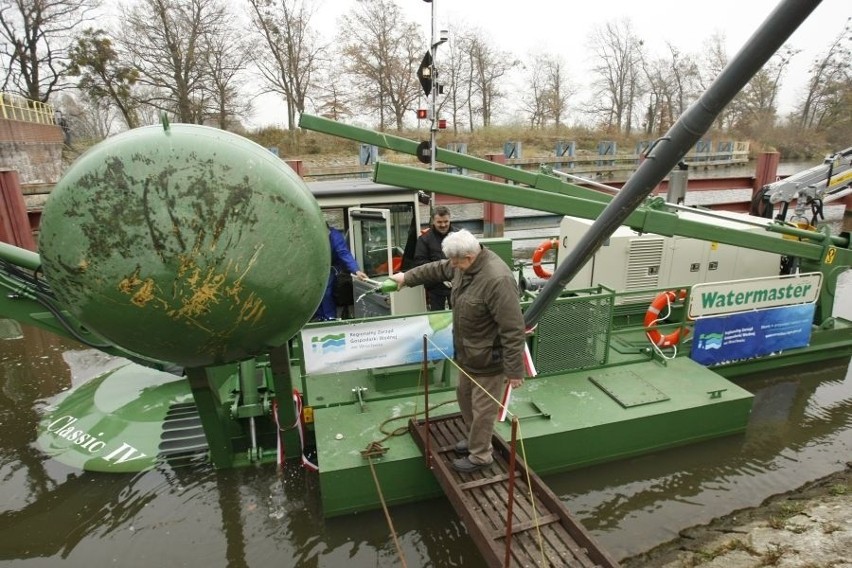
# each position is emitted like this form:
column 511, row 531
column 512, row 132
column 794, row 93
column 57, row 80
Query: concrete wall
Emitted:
column 33, row 150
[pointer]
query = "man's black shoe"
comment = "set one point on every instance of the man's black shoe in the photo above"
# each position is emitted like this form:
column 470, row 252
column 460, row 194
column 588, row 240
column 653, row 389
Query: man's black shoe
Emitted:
column 464, row 465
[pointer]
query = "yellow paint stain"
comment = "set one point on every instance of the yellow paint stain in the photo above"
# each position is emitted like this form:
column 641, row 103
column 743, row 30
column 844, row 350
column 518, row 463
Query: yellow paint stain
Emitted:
column 252, row 309
column 129, row 283
column 204, row 294
column 196, row 291
column 233, row 292
column 145, row 293
column 140, row 291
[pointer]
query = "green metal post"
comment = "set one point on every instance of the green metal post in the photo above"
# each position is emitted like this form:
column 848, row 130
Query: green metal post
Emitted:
column 214, row 418
column 282, row 381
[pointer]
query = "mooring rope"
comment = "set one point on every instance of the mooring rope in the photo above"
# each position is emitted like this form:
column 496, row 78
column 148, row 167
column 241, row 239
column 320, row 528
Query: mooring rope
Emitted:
column 387, row 513
column 375, row 448
column 504, row 411
column 503, row 407
column 536, row 524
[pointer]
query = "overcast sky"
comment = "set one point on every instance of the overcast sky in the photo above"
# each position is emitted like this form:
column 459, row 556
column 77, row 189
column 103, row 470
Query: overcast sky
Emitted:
column 563, row 26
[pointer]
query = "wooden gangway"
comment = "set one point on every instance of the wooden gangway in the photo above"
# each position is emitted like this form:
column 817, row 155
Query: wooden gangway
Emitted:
column 543, row 532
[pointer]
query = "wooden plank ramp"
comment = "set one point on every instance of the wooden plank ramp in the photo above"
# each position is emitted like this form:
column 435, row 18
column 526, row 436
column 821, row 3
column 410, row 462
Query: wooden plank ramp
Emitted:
column 543, row 531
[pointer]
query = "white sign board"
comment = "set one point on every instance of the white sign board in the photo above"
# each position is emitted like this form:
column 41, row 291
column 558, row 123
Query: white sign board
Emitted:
column 715, row 298
column 375, row 344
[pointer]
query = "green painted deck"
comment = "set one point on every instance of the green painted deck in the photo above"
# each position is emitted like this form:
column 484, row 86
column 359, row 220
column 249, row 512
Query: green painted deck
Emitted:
column 567, row 421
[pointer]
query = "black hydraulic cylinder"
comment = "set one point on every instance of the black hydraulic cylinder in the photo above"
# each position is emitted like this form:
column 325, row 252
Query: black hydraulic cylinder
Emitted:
column 671, row 148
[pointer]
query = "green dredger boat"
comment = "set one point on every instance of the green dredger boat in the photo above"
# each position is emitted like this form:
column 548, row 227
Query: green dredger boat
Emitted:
column 199, row 257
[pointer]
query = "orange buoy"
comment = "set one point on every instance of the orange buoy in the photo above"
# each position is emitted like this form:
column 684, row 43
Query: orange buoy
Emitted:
column 652, row 317
column 539, row 254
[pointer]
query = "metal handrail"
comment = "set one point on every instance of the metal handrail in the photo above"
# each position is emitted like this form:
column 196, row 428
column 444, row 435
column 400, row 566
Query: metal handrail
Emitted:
column 16, row 107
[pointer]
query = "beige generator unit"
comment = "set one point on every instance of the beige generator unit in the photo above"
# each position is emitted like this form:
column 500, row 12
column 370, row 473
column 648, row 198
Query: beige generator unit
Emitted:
column 629, row 261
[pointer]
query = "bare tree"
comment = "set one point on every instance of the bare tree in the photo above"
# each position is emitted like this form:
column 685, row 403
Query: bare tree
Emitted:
column 559, row 89
column 226, row 56
column 827, row 100
column 487, row 67
column 617, row 84
column 334, row 99
column 686, row 76
column 36, row 36
column 658, row 113
column 672, row 83
column 290, row 52
column 755, row 108
column 382, row 52
column 165, row 40
column 106, row 80
column 534, row 99
column 453, row 70
column 548, row 90
column 715, row 59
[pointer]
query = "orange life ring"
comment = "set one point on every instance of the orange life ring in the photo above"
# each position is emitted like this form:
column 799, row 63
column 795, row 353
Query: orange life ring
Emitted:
column 397, row 265
column 652, row 316
column 539, row 254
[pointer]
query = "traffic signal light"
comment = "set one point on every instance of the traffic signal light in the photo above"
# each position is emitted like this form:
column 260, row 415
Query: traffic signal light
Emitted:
column 422, row 114
column 424, row 73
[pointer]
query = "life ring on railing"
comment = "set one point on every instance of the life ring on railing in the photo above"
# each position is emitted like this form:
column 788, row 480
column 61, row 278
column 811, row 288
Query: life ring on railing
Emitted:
column 539, row 254
column 652, row 317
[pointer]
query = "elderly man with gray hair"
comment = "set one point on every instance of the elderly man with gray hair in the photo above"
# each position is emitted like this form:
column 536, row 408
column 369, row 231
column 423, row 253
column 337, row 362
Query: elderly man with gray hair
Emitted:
column 488, row 336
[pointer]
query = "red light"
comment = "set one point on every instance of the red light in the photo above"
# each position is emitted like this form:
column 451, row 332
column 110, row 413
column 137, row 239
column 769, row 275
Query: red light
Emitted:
column 422, row 114
column 442, row 123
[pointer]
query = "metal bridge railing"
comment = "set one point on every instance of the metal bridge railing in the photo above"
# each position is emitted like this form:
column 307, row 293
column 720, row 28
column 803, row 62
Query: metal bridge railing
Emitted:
column 16, row 107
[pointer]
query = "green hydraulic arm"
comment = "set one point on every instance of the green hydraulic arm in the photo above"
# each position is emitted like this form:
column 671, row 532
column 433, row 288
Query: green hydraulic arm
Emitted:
column 405, row 146
column 817, row 251
column 548, row 193
column 544, row 192
column 27, row 299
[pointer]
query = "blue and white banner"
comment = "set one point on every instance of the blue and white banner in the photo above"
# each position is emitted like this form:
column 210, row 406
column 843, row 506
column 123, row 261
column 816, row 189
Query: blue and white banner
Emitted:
column 375, row 344
column 752, row 334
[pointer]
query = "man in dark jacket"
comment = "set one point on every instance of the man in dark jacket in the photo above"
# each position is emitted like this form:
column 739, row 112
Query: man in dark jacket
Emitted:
column 488, row 336
column 429, row 250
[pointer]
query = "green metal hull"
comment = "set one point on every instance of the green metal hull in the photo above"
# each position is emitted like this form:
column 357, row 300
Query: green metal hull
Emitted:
column 116, row 422
column 650, row 407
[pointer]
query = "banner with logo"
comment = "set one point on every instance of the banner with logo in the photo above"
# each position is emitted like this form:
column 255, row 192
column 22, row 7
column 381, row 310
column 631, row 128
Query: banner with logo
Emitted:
column 374, row 344
column 746, row 335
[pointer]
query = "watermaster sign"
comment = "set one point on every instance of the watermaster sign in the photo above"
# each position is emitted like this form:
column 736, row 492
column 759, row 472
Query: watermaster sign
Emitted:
column 730, row 297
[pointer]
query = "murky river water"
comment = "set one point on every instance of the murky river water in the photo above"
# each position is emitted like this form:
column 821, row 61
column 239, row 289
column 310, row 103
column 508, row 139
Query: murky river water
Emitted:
column 52, row 515
column 801, row 429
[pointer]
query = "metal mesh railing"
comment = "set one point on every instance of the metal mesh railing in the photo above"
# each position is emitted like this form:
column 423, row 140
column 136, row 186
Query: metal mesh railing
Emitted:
column 16, row 107
column 574, row 334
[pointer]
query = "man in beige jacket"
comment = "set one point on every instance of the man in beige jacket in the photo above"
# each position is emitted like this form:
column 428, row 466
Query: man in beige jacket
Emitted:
column 488, row 336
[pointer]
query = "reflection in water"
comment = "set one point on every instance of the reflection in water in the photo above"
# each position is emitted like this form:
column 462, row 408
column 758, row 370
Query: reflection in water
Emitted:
column 801, row 429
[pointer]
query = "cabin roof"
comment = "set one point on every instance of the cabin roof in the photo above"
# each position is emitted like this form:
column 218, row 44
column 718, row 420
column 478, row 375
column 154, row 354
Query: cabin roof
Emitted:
column 361, row 186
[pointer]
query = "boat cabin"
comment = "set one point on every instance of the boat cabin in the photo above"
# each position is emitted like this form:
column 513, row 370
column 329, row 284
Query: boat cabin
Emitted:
column 381, row 223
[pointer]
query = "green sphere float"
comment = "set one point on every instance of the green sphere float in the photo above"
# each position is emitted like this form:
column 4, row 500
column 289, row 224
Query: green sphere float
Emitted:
column 186, row 244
